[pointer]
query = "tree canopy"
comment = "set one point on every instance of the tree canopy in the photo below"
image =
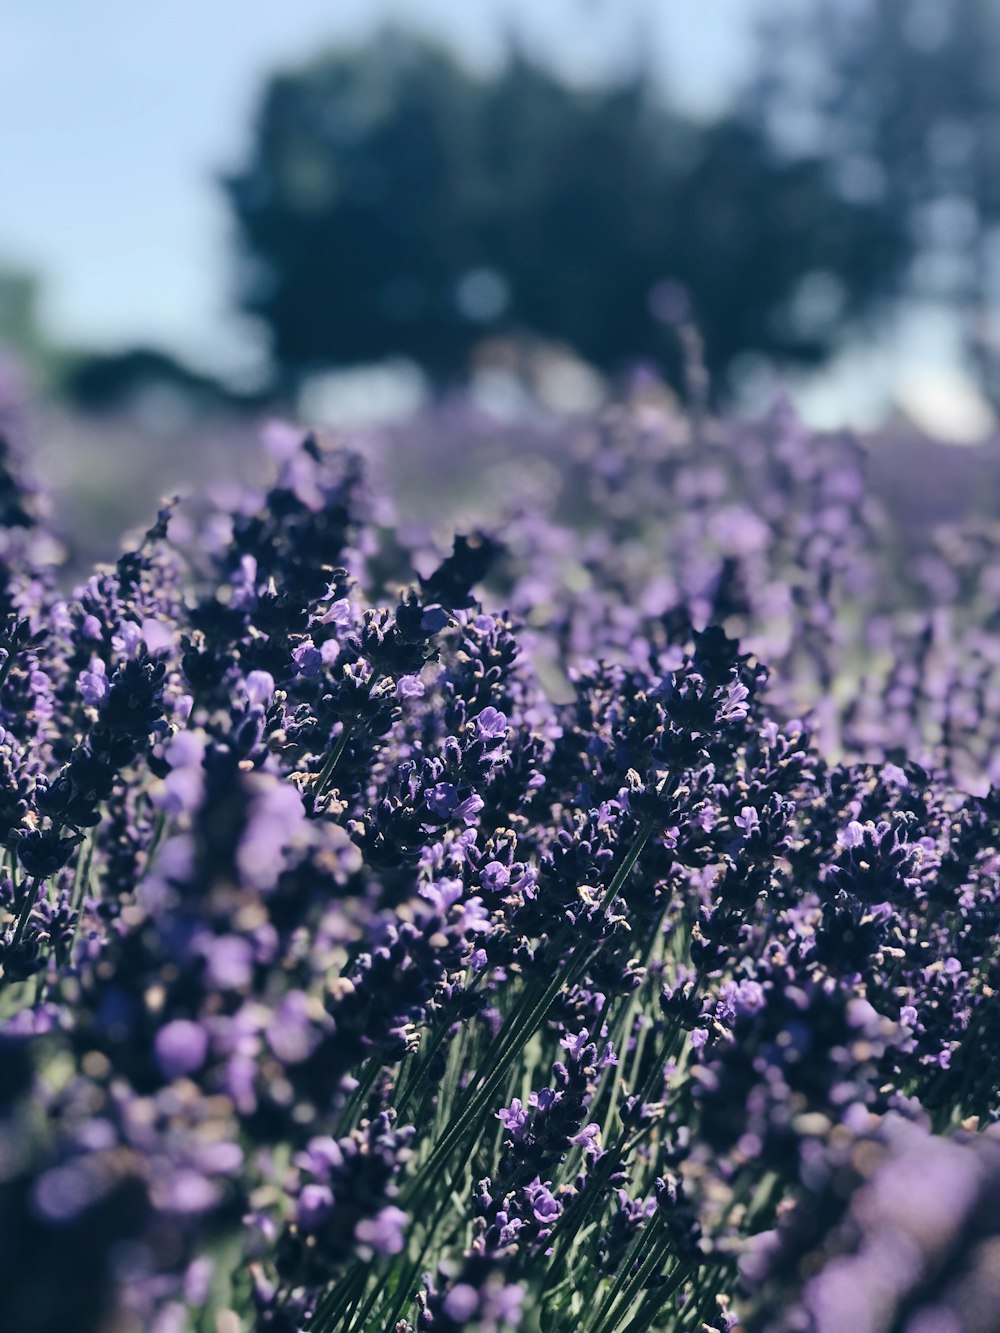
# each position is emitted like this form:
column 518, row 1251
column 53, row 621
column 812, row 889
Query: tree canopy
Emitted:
column 395, row 203
column 902, row 103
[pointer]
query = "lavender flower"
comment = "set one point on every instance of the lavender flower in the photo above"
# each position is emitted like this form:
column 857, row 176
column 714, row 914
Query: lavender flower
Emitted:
column 482, row 937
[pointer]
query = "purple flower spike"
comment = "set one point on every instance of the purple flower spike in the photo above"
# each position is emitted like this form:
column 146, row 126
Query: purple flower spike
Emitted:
column 181, row 1048
column 384, row 1233
column 468, row 809
column 409, row 687
column 514, row 1118
column 576, row 1043
column 259, row 687
column 228, row 962
column 491, row 723
column 853, row 835
column 461, row 1303
column 93, row 683
column 308, row 658
column 545, row 1207
column 433, row 619
column 315, row 1204
column 589, row 1139
column 442, row 798
column 494, row 876
column 748, row 820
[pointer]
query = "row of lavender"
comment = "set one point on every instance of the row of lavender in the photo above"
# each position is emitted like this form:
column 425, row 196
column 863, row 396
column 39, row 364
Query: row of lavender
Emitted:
column 888, row 636
column 353, row 980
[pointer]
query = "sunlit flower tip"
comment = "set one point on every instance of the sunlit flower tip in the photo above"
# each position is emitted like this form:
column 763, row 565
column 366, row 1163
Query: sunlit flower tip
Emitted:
column 491, row 723
column 93, row 683
column 575, row 1043
column 853, row 835
column 514, row 1118
column 308, row 658
column 494, row 876
column 734, row 706
column 337, row 613
column 157, row 636
column 128, row 641
column 748, row 819
column 589, row 1138
column 259, row 688
column 410, row 687
column 468, row 809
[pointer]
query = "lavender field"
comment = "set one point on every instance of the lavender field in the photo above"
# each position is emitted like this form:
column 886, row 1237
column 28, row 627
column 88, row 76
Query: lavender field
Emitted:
column 577, row 913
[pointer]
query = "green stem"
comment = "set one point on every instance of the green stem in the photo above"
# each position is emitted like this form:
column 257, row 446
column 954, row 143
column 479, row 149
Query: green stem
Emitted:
column 30, row 898
column 5, row 669
column 326, row 772
column 574, row 1219
column 417, row 1070
column 80, row 882
column 405, row 1288
column 627, row 1283
column 347, row 731
column 525, row 1024
column 82, row 877
column 159, row 829
column 624, row 1031
column 357, row 1097
column 466, row 1121
column 654, row 1300
column 336, row 1300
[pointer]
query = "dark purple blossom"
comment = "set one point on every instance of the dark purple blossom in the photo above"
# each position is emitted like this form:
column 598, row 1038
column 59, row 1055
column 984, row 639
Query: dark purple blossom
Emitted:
column 559, row 950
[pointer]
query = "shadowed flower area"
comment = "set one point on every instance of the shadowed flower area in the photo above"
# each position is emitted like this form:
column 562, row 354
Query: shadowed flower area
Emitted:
column 586, row 924
column 916, row 1248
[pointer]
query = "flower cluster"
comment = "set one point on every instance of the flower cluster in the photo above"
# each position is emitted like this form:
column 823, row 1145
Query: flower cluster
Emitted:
column 485, row 939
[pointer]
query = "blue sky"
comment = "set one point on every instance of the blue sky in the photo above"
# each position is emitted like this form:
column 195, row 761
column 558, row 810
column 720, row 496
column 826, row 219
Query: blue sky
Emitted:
column 115, row 118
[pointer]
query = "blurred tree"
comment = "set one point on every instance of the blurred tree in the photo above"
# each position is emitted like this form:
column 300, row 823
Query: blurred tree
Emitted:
column 353, row 209
column 115, row 381
column 394, row 203
column 901, row 101
column 20, row 326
